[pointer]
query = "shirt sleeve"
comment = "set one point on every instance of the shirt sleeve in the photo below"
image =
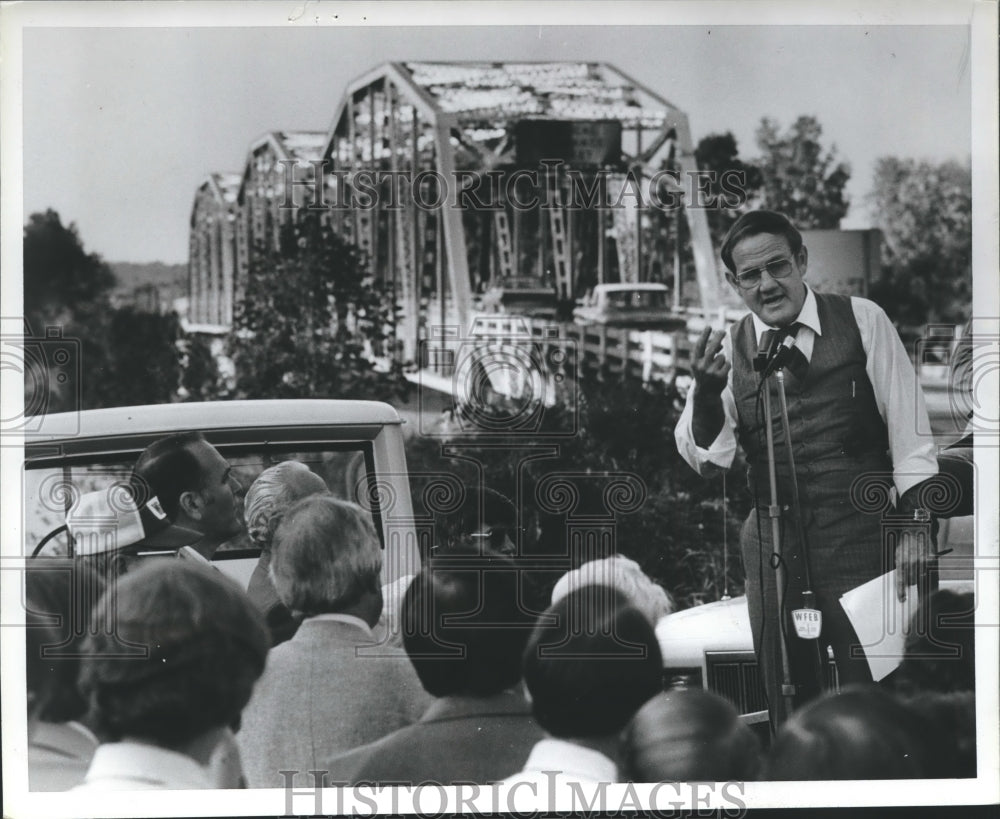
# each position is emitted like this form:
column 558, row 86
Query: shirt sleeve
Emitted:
column 898, row 396
column 722, row 451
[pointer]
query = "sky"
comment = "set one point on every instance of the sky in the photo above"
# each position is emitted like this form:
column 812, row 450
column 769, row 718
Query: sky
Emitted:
column 121, row 125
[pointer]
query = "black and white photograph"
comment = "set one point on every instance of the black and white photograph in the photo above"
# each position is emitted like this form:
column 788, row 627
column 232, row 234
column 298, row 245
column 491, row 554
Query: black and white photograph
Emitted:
column 496, row 407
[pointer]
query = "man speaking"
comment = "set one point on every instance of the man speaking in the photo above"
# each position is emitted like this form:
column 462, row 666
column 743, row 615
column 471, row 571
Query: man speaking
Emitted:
column 854, row 410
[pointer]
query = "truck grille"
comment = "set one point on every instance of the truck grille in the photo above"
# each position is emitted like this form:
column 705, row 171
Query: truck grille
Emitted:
column 735, row 675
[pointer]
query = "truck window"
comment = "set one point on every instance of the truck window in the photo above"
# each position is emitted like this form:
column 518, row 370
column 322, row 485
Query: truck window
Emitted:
column 50, row 491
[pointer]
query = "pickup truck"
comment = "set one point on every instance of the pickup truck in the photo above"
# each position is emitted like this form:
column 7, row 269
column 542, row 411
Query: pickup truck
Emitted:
column 644, row 305
column 521, row 295
column 355, row 446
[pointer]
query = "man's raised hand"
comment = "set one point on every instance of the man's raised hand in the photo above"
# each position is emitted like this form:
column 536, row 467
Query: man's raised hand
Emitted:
column 708, row 366
column 711, row 373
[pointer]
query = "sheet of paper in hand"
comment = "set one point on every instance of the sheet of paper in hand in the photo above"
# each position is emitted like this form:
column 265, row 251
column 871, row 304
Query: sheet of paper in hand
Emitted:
column 880, row 620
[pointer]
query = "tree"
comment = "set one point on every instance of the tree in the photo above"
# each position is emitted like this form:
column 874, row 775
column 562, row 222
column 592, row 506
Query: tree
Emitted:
column 312, row 323
column 67, row 289
column 145, row 364
column 800, row 178
column 126, row 356
column 925, row 213
column 201, row 377
column 60, row 277
column 677, row 528
column 719, row 155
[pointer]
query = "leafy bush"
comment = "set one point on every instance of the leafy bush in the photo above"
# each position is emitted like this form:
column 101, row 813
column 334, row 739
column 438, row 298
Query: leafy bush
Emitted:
column 657, row 511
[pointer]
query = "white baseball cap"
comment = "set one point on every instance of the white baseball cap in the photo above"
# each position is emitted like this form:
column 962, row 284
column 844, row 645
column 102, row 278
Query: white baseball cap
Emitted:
column 109, row 520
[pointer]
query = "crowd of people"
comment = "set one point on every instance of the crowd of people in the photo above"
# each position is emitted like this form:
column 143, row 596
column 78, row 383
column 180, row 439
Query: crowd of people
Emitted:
column 452, row 675
column 477, row 669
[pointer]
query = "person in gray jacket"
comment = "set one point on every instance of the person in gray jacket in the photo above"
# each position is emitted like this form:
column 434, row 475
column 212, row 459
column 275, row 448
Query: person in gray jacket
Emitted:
column 334, row 685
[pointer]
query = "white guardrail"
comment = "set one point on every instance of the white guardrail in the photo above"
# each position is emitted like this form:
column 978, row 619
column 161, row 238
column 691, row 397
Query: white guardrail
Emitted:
column 610, row 351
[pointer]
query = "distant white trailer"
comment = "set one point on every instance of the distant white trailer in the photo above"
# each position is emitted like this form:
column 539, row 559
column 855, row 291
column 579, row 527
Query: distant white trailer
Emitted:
column 843, row 261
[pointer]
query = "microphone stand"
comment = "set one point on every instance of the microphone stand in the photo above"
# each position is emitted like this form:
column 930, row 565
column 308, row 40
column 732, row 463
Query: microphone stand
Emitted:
column 788, row 686
column 808, row 597
column 783, row 709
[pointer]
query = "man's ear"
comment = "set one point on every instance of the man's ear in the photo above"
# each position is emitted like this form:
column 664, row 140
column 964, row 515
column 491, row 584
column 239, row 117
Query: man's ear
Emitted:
column 803, row 259
column 732, row 280
column 190, row 504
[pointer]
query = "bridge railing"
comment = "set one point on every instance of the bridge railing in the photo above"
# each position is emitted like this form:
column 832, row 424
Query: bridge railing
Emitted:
column 611, row 352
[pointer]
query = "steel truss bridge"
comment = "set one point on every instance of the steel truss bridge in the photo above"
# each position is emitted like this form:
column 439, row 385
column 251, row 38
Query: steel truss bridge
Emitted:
column 457, row 180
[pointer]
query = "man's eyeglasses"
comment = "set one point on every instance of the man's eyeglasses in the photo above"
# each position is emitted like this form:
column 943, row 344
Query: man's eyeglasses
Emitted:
column 497, row 535
column 778, row 269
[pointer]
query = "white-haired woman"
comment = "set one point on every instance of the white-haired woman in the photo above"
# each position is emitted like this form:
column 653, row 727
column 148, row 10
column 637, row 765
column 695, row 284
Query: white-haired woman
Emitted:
column 625, row 575
column 275, row 490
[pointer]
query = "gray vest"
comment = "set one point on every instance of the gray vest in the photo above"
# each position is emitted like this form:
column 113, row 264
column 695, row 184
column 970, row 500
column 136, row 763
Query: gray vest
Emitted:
column 836, row 430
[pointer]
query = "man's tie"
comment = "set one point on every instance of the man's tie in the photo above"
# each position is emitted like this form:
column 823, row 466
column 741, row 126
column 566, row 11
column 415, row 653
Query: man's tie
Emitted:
column 797, row 363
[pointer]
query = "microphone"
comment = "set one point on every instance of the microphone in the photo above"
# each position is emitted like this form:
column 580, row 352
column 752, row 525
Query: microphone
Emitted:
column 780, row 358
column 769, row 344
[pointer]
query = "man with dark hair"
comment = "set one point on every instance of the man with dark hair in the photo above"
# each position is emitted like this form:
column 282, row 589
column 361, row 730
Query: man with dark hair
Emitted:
column 590, row 664
column 194, row 485
column 464, row 633
column 485, row 518
column 690, row 735
column 164, row 717
column 488, row 521
column 332, row 686
column 855, row 413
column 861, row 733
column 940, row 649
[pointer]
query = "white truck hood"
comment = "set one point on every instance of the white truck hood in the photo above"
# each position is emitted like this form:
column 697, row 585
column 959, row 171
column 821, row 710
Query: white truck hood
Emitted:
column 685, row 636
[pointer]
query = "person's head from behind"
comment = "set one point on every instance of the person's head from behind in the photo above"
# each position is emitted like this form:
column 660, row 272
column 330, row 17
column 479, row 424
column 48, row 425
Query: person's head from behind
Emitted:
column 57, row 593
column 766, row 263
column 620, row 573
column 272, row 493
column 949, row 720
column 861, row 733
column 194, row 483
column 326, row 558
column 590, row 663
column 940, row 649
column 689, row 734
column 463, row 627
column 205, row 646
column 485, row 518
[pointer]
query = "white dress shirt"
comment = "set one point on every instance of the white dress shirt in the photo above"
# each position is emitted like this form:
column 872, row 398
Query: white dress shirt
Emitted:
column 337, row 617
column 557, row 775
column 898, row 396
column 135, row 766
column 59, row 755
